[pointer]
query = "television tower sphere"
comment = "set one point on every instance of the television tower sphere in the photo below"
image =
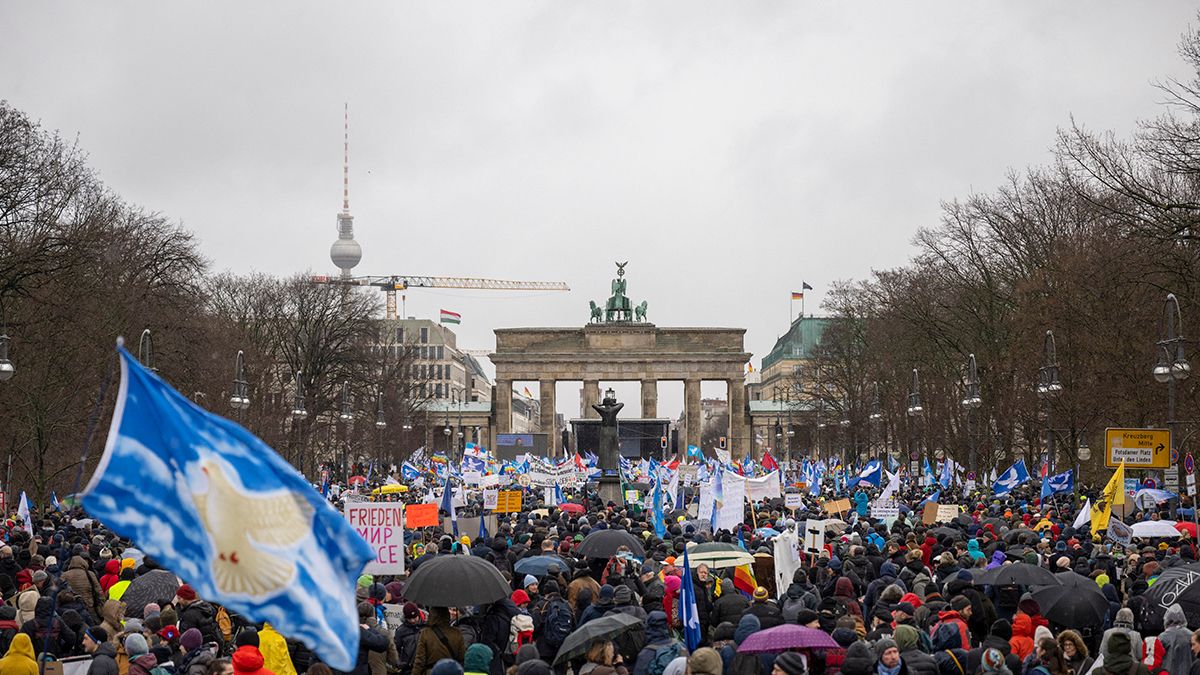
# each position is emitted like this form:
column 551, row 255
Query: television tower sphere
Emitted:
column 345, row 252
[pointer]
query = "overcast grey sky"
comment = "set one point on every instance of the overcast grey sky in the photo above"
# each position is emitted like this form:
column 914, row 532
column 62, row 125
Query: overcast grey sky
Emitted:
column 728, row 150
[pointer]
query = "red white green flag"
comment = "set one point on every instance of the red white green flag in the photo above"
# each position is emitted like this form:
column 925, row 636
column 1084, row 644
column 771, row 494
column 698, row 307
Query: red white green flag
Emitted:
column 450, row 317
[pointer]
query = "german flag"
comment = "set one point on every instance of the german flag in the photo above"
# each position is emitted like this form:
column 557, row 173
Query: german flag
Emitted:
column 743, row 580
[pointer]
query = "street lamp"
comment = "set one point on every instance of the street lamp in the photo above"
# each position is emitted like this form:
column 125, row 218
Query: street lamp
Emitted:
column 146, row 351
column 1172, row 363
column 380, row 422
column 7, row 369
column 298, row 410
column 915, row 409
column 239, row 399
column 347, row 415
column 970, row 402
column 1048, row 388
column 1082, row 454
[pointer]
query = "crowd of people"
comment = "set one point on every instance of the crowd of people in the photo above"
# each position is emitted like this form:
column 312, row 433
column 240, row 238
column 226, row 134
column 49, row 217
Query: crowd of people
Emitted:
column 897, row 597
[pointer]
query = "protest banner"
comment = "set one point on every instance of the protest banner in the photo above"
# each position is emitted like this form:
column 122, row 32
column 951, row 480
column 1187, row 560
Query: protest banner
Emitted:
column 508, row 501
column 469, row 525
column 733, row 512
column 489, row 499
column 687, row 473
column 382, row 526
column 881, row 509
column 421, row 515
column 472, row 477
column 761, row 489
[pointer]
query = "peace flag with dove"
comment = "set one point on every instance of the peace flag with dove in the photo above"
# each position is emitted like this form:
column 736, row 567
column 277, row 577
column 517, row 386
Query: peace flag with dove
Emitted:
column 1011, row 478
column 1059, row 483
column 218, row 507
column 872, row 473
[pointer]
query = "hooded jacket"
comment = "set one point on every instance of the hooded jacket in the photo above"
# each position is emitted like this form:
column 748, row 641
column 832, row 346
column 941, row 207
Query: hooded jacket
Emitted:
column 973, row 550
column 111, row 614
column 431, row 649
column 1177, row 639
column 49, row 629
column 84, row 582
column 859, row 660
column 19, row 659
column 1022, row 639
column 112, row 574
column 908, row 640
column 1118, row 659
column 658, row 636
column 274, row 650
column 104, row 660
column 247, row 660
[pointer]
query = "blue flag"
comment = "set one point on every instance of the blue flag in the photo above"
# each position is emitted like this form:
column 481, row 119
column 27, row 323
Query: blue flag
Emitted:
column 872, row 473
column 688, row 616
column 409, row 472
column 931, row 498
column 660, row 527
column 927, row 473
column 57, row 505
column 718, row 495
column 1058, row 484
column 483, row 533
column 694, row 451
column 448, row 504
column 217, row 506
column 1011, row 478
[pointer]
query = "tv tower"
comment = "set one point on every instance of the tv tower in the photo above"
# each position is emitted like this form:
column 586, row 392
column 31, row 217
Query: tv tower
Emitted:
column 345, row 252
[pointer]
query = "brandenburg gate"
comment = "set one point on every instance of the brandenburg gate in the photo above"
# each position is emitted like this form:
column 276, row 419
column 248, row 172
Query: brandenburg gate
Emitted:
column 618, row 344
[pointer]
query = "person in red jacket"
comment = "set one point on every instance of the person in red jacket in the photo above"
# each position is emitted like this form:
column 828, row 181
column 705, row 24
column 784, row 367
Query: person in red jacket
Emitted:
column 957, row 615
column 247, row 659
column 112, row 574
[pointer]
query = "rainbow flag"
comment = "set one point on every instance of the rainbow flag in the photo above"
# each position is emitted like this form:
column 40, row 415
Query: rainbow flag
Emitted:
column 743, row 580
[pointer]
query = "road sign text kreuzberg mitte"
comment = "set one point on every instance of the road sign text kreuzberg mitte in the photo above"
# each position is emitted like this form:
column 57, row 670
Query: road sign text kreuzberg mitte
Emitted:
column 1138, row 448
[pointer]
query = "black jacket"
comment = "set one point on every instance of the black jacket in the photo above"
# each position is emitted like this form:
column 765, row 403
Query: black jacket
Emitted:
column 369, row 640
column 919, row 663
column 203, row 617
column 406, row 644
column 729, row 607
column 104, row 660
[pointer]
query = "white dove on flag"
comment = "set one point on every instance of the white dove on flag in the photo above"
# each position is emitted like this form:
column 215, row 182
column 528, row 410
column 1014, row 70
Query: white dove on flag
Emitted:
column 239, row 524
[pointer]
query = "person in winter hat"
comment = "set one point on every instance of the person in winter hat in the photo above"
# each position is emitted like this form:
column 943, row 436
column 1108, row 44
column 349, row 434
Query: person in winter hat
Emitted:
column 1118, row 657
column 908, row 641
column 478, row 659
column 887, row 658
column 860, row 660
column 789, row 663
column 705, row 661
column 1123, row 625
column 141, row 661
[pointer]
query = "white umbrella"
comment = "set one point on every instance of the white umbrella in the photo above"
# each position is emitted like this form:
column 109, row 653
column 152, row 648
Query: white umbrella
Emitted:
column 1155, row 528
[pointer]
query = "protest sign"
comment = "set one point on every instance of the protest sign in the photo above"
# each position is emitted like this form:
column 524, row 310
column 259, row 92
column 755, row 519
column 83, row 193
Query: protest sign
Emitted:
column 793, row 500
column 489, row 499
column 814, row 535
column 421, row 515
column 382, row 526
column 930, row 513
column 733, row 512
column 687, row 473
column 836, row 506
column 508, row 501
column 947, row 512
column 631, row 496
column 472, row 477
column 469, row 525
column 1120, row 533
column 393, row 614
column 760, row 489
column 881, row 510
column 705, row 506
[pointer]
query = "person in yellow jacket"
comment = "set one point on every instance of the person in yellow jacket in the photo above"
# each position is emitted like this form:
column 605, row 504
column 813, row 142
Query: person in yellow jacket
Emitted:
column 118, row 589
column 275, row 652
column 19, row 659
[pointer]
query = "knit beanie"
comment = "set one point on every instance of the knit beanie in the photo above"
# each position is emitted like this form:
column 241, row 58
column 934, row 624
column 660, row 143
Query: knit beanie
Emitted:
column 706, row 661
column 478, row 658
column 135, row 645
column 790, row 663
column 191, row 639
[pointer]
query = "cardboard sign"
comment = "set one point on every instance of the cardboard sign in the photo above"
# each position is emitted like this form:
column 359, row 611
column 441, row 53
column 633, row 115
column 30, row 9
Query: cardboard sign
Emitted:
column 793, row 500
column 508, row 501
column 947, row 512
column 421, row 515
column 489, row 499
column 382, row 526
column 837, row 506
column 930, row 513
column 394, row 615
column 881, row 510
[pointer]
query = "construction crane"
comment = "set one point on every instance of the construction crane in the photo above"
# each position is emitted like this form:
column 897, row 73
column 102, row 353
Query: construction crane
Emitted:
column 391, row 284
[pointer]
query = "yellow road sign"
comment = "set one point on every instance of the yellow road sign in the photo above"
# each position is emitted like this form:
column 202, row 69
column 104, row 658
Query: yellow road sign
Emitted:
column 1138, row 448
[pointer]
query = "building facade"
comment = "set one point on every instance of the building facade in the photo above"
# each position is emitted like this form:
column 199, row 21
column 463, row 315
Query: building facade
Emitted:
column 449, row 373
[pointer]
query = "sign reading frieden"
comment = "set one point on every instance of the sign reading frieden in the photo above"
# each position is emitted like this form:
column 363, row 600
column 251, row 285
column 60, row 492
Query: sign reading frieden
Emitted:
column 381, row 524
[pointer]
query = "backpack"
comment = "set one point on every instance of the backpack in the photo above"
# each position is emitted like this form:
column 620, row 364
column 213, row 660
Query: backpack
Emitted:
column 663, row 656
column 558, row 623
column 224, row 624
column 520, row 632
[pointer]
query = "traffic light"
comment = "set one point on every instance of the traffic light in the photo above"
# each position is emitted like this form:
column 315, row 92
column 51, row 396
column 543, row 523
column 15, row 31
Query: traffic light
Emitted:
column 663, row 442
column 721, row 442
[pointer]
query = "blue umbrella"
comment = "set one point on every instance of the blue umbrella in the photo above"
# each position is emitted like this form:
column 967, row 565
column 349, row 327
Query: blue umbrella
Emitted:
column 766, row 532
column 538, row 565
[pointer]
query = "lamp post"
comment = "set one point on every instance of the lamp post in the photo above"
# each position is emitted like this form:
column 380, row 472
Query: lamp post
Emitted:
column 347, row 418
column 914, row 411
column 1172, row 366
column 971, row 401
column 1082, row 454
column 844, row 423
column 876, row 416
column 146, row 351
column 299, row 413
column 239, row 399
column 1048, row 388
column 7, row 369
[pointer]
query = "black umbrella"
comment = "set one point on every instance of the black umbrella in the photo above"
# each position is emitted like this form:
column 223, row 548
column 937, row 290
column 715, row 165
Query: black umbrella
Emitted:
column 605, row 628
column 539, row 565
column 1017, row 574
column 1176, row 585
column 963, row 520
column 1076, row 602
column 153, row 586
column 604, row 544
column 951, row 532
column 455, row 581
column 1011, row 535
